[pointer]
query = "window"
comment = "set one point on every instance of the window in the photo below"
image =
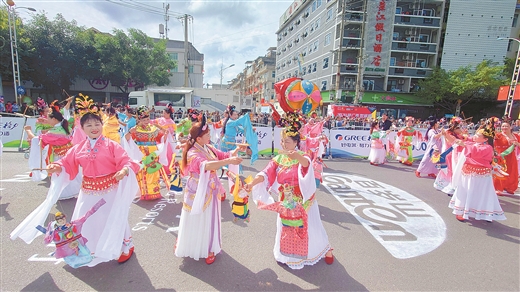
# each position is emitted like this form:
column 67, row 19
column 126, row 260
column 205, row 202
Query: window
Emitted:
column 324, row 85
column 326, row 63
column 406, row 18
column 327, row 39
column 316, row 45
column 392, row 61
column 190, row 69
column 313, row 6
column 428, row 20
column 318, row 3
column 314, row 66
column 395, row 36
column 515, row 20
column 273, row 73
column 368, row 84
column 402, row 45
column 398, row 10
column 317, row 24
column 399, row 70
column 509, row 45
column 174, row 56
column 309, row 69
column 420, row 63
column 424, row 38
column 329, row 15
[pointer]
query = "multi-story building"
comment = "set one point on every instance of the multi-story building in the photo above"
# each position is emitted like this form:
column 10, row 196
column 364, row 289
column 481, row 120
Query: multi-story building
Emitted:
column 195, row 65
column 512, row 47
column 256, row 82
column 375, row 51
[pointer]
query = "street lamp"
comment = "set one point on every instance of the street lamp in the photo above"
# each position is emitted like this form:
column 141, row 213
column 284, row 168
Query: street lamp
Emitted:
column 14, row 47
column 222, row 70
column 514, row 81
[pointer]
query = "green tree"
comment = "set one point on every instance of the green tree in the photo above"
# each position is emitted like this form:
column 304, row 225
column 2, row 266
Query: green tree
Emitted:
column 449, row 89
column 134, row 57
column 55, row 57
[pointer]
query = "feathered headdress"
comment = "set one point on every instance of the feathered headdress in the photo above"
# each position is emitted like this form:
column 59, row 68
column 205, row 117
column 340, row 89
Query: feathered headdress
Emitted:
column 85, row 104
column 143, row 112
column 488, row 129
column 294, row 125
column 455, row 121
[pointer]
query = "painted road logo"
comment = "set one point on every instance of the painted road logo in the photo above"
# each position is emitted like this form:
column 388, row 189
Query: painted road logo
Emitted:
column 406, row 226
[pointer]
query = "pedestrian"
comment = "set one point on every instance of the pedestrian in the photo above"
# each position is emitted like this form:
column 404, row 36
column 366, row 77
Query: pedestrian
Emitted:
column 200, row 223
column 300, row 237
column 385, row 123
column 152, row 113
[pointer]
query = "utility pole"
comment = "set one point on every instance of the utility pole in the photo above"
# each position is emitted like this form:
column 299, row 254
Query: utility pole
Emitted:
column 339, row 57
column 186, row 18
column 166, row 18
column 359, row 78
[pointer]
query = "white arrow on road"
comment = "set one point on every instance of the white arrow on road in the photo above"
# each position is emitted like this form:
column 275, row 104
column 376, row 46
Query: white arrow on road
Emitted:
column 18, row 178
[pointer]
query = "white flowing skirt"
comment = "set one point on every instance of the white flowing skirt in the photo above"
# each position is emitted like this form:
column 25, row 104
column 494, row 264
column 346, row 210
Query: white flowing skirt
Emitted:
column 96, row 227
column 377, row 156
column 200, row 234
column 475, row 197
column 318, row 241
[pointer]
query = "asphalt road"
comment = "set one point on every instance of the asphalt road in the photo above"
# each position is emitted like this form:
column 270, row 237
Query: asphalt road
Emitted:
column 390, row 231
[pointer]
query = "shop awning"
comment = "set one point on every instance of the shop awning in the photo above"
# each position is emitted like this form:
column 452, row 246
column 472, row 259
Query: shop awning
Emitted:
column 392, row 98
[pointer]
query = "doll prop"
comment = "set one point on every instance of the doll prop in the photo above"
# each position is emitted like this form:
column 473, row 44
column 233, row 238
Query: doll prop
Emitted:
column 440, row 158
column 240, row 205
column 70, row 244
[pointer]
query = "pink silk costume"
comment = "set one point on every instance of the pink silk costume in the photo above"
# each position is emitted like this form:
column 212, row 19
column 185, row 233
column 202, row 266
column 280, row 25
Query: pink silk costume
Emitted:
column 58, row 140
column 78, row 135
column 310, row 145
column 169, row 125
column 200, row 222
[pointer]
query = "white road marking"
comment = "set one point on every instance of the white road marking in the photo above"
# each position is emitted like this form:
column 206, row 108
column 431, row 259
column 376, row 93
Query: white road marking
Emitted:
column 35, row 258
column 404, row 225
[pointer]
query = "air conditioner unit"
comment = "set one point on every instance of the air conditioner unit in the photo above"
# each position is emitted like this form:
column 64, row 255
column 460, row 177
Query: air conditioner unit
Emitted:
column 401, row 81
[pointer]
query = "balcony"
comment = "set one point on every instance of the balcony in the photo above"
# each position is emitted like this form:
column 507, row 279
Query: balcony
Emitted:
column 414, row 47
column 410, row 71
column 411, row 20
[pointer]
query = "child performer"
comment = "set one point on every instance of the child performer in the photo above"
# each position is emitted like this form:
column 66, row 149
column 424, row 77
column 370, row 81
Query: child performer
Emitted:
column 433, row 137
column 377, row 150
column 405, row 139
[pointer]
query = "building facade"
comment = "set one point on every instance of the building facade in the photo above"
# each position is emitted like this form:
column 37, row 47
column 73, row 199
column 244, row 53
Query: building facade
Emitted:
column 256, row 82
column 375, row 52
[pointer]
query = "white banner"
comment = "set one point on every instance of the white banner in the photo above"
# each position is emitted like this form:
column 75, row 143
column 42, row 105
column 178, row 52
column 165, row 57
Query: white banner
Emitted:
column 11, row 129
column 277, row 136
column 356, row 143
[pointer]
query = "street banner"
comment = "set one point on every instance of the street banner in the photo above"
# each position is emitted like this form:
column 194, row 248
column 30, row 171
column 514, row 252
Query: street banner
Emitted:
column 356, row 143
column 11, row 129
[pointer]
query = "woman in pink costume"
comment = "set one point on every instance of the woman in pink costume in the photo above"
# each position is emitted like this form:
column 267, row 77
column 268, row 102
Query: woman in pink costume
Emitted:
column 314, row 145
column 108, row 173
column 200, row 224
column 167, row 124
column 300, row 238
column 475, row 195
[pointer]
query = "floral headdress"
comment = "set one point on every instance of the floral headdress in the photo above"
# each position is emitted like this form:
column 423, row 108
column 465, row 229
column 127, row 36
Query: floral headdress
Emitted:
column 194, row 115
column 230, row 108
column 406, row 119
column 293, row 124
column 488, row 130
column 455, row 120
column 143, row 112
column 85, row 105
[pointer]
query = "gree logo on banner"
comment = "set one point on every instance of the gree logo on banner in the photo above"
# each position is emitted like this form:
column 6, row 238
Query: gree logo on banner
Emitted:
column 340, row 137
column 404, row 225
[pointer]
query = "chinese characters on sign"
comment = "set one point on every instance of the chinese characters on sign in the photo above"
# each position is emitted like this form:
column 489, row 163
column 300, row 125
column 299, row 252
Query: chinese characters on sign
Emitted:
column 378, row 35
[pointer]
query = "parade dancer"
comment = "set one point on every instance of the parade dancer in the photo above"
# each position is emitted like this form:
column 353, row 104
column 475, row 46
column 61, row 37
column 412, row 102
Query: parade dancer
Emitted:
column 377, row 150
column 200, row 223
column 51, row 146
column 314, row 145
column 504, row 144
column 405, row 138
column 167, row 124
column 148, row 137
column 111, row 125
column 433, row 137
column 443, row 180
column 109, row 174
column 475, row 195
column 300, row 238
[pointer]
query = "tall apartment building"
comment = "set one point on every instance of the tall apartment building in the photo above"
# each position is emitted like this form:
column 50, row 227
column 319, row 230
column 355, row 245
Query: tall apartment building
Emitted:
column 512, row 46
column 256, row 82
column 388, row 45
column 195, row 65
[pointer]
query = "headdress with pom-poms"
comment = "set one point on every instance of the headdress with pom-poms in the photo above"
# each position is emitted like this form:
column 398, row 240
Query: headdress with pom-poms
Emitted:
column 85, row 105
column 41, row 105
column 406, row 119
column 193, row 115
column 230, row 108
column 143, row 112
column 456, row 121
column 169, row 107
column 293, row 124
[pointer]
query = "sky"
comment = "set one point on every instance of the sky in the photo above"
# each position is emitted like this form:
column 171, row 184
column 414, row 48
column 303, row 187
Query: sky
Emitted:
column 226, row 32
